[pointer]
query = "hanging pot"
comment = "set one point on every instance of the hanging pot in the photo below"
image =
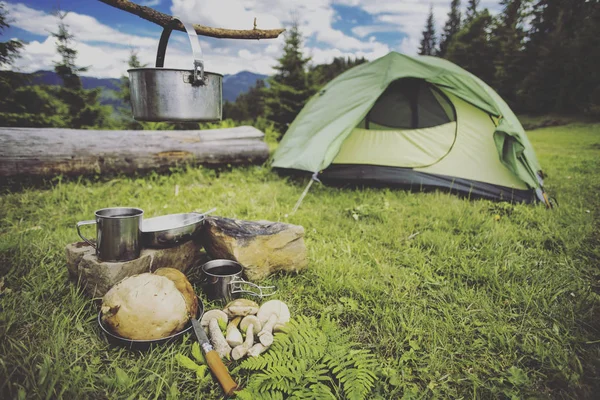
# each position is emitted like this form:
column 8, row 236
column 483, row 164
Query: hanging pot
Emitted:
column 167, row 94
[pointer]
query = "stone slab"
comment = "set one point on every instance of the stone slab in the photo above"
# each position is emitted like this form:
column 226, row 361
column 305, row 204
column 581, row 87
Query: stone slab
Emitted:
column 97, row 277
column 262, row 247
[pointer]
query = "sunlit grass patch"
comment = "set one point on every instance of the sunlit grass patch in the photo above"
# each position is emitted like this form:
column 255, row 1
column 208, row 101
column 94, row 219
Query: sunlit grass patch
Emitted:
column 454, row 298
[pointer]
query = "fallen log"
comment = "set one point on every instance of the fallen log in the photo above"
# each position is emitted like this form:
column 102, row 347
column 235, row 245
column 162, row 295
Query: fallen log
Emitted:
column 48, row 152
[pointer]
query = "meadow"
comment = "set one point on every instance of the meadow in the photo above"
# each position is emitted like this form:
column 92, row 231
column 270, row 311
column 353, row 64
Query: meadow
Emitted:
column 451, row 297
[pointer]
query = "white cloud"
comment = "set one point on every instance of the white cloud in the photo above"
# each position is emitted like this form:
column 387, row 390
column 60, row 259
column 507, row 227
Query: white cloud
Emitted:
column 83, row 27
column 408, row 17
column 315, row 18
column 105, row 48
column 366, row 30
column 150, row 3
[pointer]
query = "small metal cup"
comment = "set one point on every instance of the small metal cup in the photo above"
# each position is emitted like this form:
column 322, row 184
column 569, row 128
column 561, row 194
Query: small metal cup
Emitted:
column 118, row 233
column 222, row 280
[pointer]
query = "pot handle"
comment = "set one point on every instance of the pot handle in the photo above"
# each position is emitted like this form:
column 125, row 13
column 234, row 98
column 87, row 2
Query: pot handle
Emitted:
column 196, row 50
column 88, row 241
column 261, row 291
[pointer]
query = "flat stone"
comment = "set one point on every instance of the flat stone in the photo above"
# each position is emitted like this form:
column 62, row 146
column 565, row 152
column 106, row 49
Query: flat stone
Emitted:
column 97, row 277
column 262, row 247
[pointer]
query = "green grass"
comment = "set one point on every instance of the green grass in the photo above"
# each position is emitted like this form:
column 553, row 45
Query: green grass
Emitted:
column 452, row 301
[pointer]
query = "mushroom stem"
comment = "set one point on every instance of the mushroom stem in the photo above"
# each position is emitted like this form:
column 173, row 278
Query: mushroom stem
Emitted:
column 218, row 340
column 266, row 334
column 241, row 350
column 234, row 336
column 257, row 350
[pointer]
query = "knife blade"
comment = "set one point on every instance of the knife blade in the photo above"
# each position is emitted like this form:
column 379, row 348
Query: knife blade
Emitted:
column 214, row 362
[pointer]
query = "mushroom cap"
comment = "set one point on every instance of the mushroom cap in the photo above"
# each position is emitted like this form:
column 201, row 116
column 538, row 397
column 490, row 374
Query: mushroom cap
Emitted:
column 277, row 307
column 183, row 285
column 251, row 320
column 241, row 307
column 214, row 314
column 144, row 307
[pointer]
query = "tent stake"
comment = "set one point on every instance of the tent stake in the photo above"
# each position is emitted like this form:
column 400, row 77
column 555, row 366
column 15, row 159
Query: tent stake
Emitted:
column 303, row 195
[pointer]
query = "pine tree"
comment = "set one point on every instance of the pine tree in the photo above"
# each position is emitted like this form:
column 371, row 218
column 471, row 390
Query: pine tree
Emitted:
column 451, row 28
column 84, row 109
column 125, row 112
column 9, row 81
column 66, row 69
column 255, row 100
column 428, row 42
column 289, row 88
column 471, row 47
column 508, row 40
column 472, row 11
column 132, row 62
column 323, row 73
column 562, row 55
column 8, row 50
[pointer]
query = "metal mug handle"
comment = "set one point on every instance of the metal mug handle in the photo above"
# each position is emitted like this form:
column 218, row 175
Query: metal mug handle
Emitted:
column 81, row 223
column 237, row 284
column 196, row 50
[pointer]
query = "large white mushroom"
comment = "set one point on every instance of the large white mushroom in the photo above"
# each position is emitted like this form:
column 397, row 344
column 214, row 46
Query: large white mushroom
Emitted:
column 234, row 336
column 241, row 350
column 218, row 340
column 144, row 307
column 251, row 320
column 219, row 315
column 270, row 313
column 257, row 350
column 213, row 319
column 241, row 308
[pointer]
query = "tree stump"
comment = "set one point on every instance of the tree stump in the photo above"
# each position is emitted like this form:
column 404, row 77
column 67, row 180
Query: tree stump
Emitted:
column 262, row 247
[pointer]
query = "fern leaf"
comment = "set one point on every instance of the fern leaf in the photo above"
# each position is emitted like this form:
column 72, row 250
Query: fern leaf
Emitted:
column 313, row 360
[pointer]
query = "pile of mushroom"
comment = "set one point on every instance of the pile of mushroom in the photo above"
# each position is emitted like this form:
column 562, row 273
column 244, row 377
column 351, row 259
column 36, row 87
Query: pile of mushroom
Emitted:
column 241, row 318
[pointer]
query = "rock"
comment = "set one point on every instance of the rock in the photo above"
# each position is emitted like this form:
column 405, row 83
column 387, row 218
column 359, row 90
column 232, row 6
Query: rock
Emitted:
column 262, row 247
column 97, row 277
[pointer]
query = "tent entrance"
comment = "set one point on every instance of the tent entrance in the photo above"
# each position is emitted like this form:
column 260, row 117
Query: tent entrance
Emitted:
column 412, row 124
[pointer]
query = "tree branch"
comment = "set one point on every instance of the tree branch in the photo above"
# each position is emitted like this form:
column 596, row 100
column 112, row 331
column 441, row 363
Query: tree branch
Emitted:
column 150, row 14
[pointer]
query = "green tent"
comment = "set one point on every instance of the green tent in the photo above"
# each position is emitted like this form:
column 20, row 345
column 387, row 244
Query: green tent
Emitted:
column 420, row 122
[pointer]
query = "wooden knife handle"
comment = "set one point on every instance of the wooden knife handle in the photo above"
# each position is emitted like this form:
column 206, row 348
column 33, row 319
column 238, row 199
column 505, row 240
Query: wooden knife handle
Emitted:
column 221, row 373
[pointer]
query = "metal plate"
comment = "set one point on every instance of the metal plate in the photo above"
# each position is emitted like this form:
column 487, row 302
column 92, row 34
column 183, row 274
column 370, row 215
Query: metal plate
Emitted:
column 172, row 229
column 132, row 344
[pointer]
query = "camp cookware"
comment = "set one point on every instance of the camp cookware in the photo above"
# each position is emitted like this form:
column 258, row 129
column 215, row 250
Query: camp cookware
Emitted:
column 222, row 280
column 212, row 357
column 118, row 233
column 213, row 360
column 172, row 229
column 167, row 94
column 132, row 344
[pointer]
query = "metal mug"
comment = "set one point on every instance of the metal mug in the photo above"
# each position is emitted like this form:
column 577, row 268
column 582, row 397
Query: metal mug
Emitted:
column 222, row 280
column 118, row 233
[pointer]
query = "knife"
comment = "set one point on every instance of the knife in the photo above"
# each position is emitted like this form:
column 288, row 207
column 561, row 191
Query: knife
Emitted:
column 213, row 360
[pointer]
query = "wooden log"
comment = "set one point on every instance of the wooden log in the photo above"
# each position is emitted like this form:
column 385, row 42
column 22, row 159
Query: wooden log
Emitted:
column 50, row 151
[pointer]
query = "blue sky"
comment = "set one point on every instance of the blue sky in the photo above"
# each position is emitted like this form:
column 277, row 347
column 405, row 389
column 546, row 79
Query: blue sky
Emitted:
column 105, row 36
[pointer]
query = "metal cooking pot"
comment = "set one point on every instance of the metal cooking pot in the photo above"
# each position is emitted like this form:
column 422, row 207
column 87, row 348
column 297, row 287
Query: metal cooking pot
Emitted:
column 166, row 94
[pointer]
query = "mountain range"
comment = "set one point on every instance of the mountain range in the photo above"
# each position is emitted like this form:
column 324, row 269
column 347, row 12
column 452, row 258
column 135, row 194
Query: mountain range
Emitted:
column 233, row 84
